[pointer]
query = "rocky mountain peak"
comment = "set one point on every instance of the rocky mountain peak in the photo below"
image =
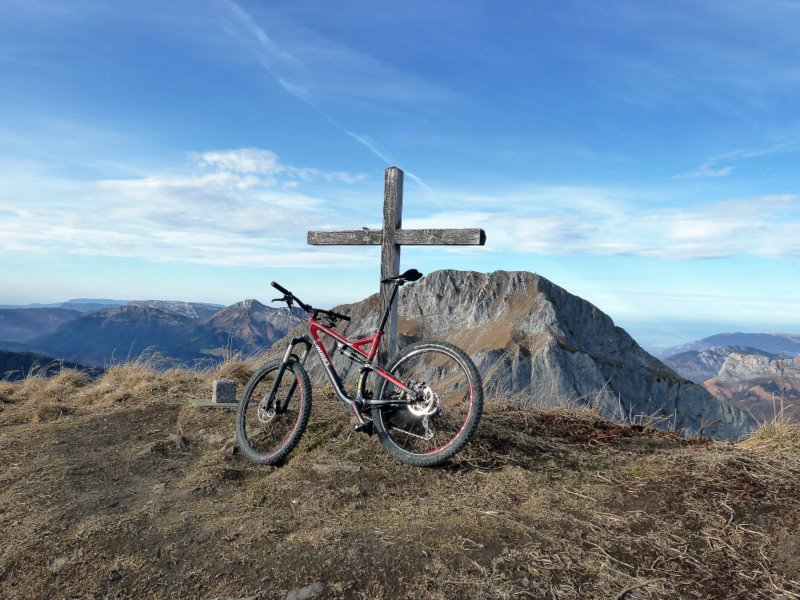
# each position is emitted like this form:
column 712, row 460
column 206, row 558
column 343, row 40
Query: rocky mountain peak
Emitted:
column 249, row 306
column 534, row 342
column 255, row 324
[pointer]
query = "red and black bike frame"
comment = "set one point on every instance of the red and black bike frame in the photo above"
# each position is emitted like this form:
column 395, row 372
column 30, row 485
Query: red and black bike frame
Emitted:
column 363, row 351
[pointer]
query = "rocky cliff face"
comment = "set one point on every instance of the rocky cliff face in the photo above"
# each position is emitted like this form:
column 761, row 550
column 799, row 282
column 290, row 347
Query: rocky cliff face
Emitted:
column 699, row 366
column 765, row 387
column 739, row 367
column 536, row 343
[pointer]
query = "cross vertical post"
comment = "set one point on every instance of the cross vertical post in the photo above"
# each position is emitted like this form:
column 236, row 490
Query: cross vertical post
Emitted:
column 390, row 248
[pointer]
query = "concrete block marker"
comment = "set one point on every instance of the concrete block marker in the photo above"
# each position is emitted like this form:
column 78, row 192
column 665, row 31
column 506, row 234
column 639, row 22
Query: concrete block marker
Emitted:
column 224, row 391
column 223, row 395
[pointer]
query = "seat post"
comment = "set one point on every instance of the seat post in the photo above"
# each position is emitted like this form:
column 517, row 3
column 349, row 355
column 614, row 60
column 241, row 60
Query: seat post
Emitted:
column 388, row 308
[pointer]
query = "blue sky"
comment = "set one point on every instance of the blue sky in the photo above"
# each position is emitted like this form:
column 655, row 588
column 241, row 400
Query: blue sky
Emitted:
column 642, row 155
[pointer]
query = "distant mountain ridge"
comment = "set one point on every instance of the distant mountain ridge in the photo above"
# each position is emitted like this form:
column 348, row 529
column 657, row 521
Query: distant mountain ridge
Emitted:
column 254, row 323
column 79, row 304
column 191, row 310
column 165, row 329
column 773, row 343
column 762, row 378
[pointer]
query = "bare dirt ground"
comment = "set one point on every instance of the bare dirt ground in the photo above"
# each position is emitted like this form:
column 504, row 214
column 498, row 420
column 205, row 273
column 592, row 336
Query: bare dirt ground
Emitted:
column 121, row 489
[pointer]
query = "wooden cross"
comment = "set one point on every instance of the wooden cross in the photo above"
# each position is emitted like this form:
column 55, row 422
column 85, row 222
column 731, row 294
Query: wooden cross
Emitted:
column 391, row 237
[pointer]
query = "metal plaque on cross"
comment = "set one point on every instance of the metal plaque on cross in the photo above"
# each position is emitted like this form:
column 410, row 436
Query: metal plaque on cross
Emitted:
column 391, row 237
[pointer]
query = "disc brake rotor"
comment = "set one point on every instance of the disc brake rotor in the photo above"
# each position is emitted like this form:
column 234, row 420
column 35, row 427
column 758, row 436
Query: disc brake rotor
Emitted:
column 265, row 415
column 428, row 404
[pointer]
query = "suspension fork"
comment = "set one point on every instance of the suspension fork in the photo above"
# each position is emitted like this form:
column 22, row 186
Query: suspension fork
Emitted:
column 288, row 357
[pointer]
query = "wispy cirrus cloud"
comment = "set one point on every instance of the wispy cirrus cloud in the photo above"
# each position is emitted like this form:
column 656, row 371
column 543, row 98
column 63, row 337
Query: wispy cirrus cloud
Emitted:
column 316, row 69
column 320, row 72
column 708, row 169
column 714, row 167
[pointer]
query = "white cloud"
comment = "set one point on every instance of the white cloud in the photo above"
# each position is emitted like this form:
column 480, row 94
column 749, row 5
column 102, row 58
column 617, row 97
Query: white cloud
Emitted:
column 712, row 167
column 244, row 160
column 237, row 207
column 245, row 207
column 706, row 170
column 266, row 163
column 589, row 222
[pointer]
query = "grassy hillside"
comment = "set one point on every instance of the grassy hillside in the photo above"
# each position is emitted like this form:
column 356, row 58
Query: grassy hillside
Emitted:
column 120, row 488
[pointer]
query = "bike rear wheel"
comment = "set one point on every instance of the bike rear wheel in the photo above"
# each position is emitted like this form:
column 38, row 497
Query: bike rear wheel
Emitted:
column 267, row 431
column 446, row 415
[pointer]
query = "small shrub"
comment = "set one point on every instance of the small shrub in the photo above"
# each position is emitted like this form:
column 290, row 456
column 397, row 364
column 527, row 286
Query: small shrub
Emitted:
column 778, row 436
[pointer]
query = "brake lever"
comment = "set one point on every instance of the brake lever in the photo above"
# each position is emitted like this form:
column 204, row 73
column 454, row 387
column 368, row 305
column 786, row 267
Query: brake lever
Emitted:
column 287, row 299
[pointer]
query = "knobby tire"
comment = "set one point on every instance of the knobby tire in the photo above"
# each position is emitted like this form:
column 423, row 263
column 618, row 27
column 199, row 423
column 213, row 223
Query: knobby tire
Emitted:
column 267, row 441
column 447, row 371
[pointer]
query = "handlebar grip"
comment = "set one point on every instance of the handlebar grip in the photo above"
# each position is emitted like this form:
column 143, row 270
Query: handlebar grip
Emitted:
column 281, row 289
column 340, row 316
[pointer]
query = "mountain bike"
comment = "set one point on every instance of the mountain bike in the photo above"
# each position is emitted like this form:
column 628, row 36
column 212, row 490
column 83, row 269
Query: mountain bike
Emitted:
column 425, row 405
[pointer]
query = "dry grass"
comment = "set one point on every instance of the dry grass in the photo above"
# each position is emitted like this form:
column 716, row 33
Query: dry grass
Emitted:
column 38, row 398
column 237, row 367
column 137, row 494
column 777, row 437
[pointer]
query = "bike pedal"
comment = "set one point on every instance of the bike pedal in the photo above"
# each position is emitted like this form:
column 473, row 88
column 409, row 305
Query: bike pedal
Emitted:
column 367, row 428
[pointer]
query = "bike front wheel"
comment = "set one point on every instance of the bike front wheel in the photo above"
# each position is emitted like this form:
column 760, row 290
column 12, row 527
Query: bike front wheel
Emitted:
column 268, row 426
column 447, row 407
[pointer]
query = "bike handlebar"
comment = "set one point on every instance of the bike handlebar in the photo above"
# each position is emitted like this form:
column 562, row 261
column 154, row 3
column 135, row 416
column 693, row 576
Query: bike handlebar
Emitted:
column 289, row 297
column 281, row 289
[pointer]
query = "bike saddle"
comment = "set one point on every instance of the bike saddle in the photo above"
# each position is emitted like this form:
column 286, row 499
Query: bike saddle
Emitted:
column 410, row 275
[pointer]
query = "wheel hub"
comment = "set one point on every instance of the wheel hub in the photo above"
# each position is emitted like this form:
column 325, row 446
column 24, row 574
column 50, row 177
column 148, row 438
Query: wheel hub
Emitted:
column 265, row 415
column 428, row 402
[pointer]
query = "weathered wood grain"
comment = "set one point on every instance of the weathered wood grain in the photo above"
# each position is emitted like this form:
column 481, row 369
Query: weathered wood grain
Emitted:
column 390, row 248
column 441, row 237
column 359, row 237
column 403, row 237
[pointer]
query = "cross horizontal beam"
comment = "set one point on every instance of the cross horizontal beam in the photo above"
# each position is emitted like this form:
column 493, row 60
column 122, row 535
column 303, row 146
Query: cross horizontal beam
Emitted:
column 405, row 237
